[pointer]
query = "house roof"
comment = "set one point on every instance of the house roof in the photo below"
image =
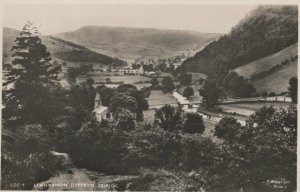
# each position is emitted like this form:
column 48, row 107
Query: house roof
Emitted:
column 182, row 100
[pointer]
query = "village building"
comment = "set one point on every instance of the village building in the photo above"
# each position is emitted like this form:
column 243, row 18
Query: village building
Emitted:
column 101, row 112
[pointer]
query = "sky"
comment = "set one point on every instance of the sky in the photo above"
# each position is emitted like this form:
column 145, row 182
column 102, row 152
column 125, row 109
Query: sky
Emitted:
column 56, row 18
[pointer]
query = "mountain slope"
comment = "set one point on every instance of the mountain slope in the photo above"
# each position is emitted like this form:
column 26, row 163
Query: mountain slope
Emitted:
column 60, row 50
column 137, row 43
column 278, row 81
column 268, row 62
column 266, row 30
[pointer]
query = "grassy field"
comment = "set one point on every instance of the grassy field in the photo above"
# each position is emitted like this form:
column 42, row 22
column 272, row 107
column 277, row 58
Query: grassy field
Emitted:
column 125, row 79
column 278, row 81
column 268, row 62
column 197, row 97
column 249, row 108
column 158, row 97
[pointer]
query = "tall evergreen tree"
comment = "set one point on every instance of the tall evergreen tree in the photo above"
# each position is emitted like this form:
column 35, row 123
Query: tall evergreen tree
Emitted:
column 30, row 81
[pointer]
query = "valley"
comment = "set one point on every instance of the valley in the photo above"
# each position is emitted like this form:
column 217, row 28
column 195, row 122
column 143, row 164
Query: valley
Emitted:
column 146, row 109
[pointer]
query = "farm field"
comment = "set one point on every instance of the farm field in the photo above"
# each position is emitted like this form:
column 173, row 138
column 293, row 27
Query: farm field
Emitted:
column 249, row 108
column 278, row 81
column 158, row 97
column 268, row 62
column 125, row 79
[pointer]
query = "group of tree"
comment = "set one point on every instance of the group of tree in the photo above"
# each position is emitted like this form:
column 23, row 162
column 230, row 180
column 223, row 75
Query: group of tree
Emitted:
column 136, row 66
column 247, row 157
column 125, row 96
column 148, row 67
column 173, row 120
column 262, row 33
column 33, row 106
column 73, row 72
column 78, row 53
column 212, row 93
column 185, row 79
column 167, row 84
column 237, row 86
column 264, row 149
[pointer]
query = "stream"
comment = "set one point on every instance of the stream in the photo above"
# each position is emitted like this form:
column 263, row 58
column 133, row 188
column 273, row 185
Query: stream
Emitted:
column 78, row 179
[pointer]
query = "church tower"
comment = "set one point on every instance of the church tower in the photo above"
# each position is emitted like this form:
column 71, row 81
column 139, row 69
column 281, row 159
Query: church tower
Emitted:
column 97, row 100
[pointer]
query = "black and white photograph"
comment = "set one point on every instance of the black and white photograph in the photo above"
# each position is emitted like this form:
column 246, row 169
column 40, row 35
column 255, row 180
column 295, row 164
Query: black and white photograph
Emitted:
column 161, row 95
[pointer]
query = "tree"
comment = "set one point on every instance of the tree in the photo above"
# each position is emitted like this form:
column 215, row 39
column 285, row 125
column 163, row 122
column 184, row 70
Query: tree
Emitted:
column 247, row 90
column 264, row 95
column 106, row 93
column 194, row 123
column 90, row 81
column 211, row 93
column 34, row 81
column 162, row 67
column 123, row 100
column 167, row 84
column 72, row 75
column 142, row 103
column 293, row 89
column 186, row 79
column 124, row 119
column 169, row 118
column 228, row 78
column 187, row 92
column 172, row 68
column 81, row 103
column 107, row 80
column 154, row 82
column 238, row 86
column 32, row 104
column 227, row 129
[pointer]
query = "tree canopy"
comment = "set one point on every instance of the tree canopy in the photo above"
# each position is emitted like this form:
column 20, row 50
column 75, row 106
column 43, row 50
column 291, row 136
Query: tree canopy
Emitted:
column 169, row 118
column 187, row 92
column 193, row 124
column 167, row 84
column 32, row 81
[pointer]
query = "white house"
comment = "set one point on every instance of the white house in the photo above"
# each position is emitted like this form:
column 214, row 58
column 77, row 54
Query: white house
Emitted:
column 101, row 111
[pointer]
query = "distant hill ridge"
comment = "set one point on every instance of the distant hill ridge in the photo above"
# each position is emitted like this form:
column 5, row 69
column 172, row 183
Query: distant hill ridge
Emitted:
column 138, row 43
column 60, row 49
column 266, row 30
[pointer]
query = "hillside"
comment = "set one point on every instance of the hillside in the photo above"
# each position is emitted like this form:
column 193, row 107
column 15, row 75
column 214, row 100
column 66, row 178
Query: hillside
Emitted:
column 60, row 50
column 265, row 31
column 278, row 81
column 268, row 62
column 137, row 43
